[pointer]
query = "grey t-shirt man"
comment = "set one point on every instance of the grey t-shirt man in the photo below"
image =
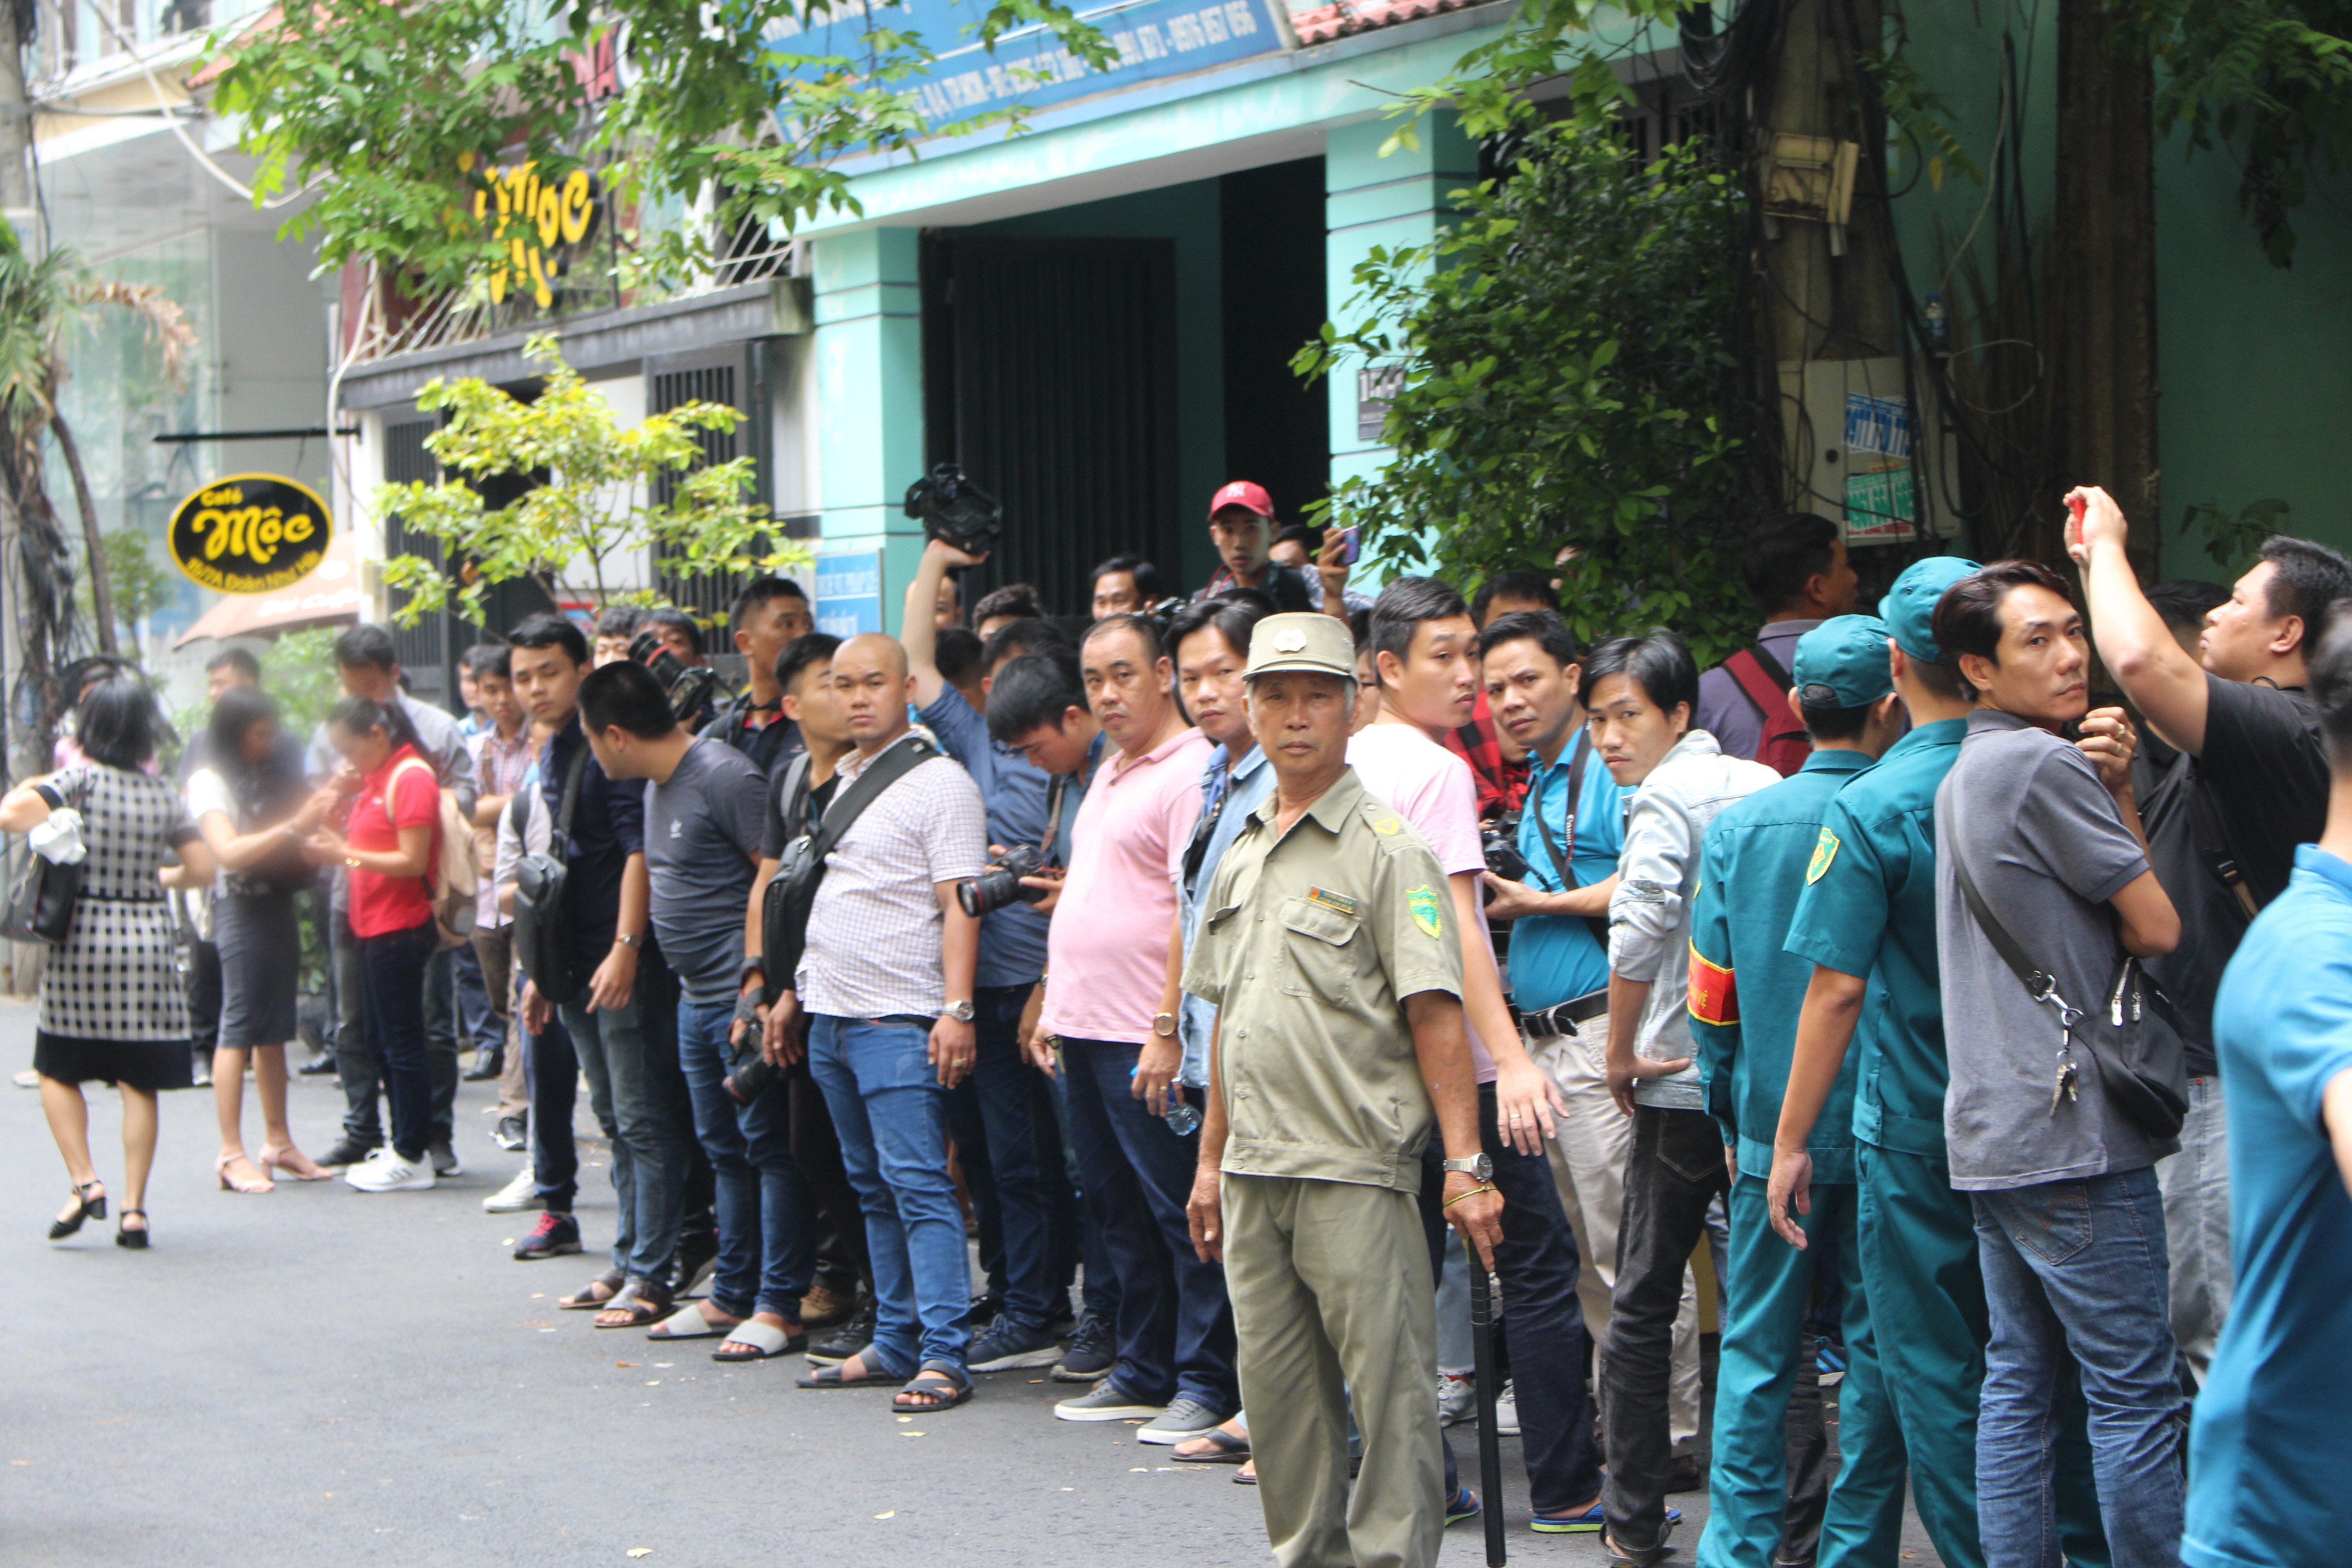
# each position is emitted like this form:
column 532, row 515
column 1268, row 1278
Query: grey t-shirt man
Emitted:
column 2047, row 849
column 702, row 841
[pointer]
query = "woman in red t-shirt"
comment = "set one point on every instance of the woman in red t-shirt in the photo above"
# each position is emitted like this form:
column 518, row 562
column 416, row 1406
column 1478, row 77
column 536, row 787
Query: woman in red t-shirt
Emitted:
column 387, row 848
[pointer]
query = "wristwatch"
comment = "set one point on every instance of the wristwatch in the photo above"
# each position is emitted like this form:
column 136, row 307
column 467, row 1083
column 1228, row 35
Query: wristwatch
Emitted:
column 630, row 939
column 1164, row 1024
column 1478, row 1167
column 960, row 1011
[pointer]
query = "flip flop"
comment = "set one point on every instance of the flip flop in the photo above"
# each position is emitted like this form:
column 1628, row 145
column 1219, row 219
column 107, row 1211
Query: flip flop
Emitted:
column 755, row 1341
column 687, row 1323
column 1229, row 1450
column 639, row 1306
column 830, row 1377
column 585, row 1298
column 936, row 1394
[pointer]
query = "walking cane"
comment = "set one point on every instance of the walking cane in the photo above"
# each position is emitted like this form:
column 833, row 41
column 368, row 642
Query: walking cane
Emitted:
column 1490, row 1446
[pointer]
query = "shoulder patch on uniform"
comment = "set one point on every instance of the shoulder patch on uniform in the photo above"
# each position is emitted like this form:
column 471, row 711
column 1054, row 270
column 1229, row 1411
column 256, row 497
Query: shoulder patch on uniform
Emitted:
column 1331, row 901
column 1714, row 991
column 1422, row 901
column 1382, row 819
column 1824, row 852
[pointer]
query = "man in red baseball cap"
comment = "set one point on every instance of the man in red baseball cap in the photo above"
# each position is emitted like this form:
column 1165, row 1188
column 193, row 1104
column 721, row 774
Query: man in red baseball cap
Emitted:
column 1242, row 525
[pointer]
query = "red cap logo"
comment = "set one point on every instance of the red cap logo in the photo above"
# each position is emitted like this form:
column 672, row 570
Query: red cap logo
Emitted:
column 1242, row 494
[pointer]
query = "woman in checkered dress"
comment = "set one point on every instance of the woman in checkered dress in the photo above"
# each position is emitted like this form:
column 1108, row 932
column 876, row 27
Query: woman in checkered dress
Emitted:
column 111, row 1006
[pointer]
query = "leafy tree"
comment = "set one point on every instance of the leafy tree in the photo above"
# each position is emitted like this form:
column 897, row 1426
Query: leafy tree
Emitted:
column 387, row 116
column 1567, row 370
column 591, row 500
column 138, row 587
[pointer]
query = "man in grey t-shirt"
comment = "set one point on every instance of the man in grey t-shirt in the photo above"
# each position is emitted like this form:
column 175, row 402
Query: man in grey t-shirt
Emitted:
column 2069, row 1223
column 704, row 805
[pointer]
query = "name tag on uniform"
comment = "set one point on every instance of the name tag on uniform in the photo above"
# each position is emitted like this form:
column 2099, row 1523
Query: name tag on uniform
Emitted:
column 1331, row 901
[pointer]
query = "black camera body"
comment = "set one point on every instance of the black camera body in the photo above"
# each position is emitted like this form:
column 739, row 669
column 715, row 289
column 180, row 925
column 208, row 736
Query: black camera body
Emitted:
column 752, row 1073
column 1500, row 840
column 688, row 686
column 1000, row 885
column 954, row 511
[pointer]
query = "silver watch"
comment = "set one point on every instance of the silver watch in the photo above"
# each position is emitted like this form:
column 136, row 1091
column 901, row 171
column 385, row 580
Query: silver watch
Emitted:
column 1479, row 1168
column 960, row 1011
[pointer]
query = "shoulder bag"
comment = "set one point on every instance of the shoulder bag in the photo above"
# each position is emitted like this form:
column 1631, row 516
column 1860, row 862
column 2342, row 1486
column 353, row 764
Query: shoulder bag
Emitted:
column 2135, row 1039
column 542, row 918
column 792, row 892
column 41, row 901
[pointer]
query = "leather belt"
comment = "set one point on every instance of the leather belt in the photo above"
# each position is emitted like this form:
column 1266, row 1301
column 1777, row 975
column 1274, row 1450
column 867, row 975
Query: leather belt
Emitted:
column 1564, row 1019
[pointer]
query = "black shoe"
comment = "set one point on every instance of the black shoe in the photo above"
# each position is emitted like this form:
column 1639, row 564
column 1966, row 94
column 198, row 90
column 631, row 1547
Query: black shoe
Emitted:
column 444, row 1160
column 350, row 1151
column 855, row 1336
column 697, row 1261
column 512, row 1133
column 486, row 1065
column 319, row 1066
column 1091, row 1352
column 1683, row 1474
column 983, row 1310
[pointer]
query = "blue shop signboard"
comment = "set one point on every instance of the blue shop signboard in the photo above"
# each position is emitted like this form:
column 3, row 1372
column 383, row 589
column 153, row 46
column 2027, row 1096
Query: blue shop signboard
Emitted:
column 849, row 593
column 1030, row 68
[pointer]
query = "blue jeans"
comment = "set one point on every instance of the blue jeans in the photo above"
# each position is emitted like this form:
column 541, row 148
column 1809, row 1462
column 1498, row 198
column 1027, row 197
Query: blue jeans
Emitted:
column 767, row 1219
column 2075, row 1280
column 551, row 1075
column 475, row 1017
column 891, row 1114
column 2196, row 1185
column 1002, row 1151
column 640, row 1100
column 1175, row 1324
column 392, row 1009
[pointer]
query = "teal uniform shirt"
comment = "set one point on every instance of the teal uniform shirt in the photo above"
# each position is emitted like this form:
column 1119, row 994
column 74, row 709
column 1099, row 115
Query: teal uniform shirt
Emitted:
column 1746, row 988
column 1869, row 910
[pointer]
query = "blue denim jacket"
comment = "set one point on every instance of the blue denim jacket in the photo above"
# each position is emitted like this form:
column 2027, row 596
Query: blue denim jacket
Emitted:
column 1226, row 801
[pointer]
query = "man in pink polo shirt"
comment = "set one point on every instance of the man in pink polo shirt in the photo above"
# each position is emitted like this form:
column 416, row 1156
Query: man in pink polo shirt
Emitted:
column 1107, row 959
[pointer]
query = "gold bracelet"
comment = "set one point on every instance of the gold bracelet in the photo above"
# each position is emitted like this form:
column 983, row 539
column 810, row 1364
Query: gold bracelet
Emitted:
column 1471, row 1193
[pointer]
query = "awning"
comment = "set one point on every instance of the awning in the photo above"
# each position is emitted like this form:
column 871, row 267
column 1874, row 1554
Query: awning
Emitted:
column 328, row 595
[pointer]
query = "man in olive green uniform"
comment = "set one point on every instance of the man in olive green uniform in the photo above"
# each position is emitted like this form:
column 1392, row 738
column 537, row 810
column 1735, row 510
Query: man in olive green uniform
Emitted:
column 1327, row 944
column 1769, row 1499
column 1866, row 921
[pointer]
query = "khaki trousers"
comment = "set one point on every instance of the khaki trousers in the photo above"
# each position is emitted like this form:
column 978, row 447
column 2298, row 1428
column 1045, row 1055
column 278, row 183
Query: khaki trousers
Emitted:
column 1588, row 1166
column 494, row 948
column 1334, row 1307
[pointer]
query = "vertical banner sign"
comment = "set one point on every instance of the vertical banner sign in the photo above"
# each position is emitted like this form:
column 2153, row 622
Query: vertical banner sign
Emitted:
column 1881, row 502
column 249, row 534
column 1376, row 389
column 849, row 593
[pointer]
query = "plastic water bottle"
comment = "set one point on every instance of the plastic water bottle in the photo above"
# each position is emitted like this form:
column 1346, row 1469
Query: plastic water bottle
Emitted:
column 1183, row 1120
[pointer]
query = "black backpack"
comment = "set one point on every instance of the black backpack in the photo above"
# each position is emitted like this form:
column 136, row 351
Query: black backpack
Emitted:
column 542, row 915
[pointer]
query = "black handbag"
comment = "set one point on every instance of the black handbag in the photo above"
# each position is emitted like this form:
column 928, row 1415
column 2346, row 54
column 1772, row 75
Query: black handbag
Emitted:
column 542, row 915
column 41, row 902
column 2135, row 1039
column 792, row 892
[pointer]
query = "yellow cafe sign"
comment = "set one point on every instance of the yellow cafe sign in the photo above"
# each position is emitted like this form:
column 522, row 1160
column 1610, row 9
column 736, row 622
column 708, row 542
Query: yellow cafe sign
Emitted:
column 531, row 217
column 250, row 533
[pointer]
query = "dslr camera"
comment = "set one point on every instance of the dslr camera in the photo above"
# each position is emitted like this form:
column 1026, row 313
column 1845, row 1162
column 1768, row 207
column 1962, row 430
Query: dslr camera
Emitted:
column 688, row 686
column 1500, row 840
column 1000, row 885
column 954, row 511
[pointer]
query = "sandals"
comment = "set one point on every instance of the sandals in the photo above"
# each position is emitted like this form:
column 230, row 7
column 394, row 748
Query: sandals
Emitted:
column 229, row 1183
column 283, row 1164
column 85, row 1207
column 640, row 1305
column 586, row 1300
column 830, row 1376
column 125, row 1237
column 1224, row 1448
column 755, row 1341
column 937, row 1385
column 687, row 1323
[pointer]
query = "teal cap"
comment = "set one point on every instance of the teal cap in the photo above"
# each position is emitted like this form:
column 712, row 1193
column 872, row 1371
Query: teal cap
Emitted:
column 1842, row 663
column 1909, row 608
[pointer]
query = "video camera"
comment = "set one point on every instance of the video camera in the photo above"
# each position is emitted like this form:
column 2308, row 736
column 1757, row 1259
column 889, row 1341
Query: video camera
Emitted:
column 1000, row 885
column 688, row 686
column 954, row 511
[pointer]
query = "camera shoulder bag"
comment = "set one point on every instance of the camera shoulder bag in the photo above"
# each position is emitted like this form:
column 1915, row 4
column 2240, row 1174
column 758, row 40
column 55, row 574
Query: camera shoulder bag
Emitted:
column 542, row 919
column 41, row 904
column 784, row 909
column 2135, row 1039
column 1561, row 863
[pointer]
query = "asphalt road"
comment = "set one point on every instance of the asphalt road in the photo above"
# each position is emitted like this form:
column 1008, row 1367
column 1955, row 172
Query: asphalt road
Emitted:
column 322, row 1376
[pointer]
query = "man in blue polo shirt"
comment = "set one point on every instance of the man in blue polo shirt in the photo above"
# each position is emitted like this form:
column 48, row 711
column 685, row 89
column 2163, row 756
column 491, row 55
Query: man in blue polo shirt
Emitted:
column 1771, row 1500
column 2262, row 1491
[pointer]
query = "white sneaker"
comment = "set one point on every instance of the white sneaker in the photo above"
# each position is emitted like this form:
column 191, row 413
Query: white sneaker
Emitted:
column 517, row 1195
column 1506, row 1411
column 1457, row 1398
column 392, row 1174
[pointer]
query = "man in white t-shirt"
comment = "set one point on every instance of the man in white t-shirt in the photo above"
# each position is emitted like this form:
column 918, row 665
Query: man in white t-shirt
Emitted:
column 1424, row 648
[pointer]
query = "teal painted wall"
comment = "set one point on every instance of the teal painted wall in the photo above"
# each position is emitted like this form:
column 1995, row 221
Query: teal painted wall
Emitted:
column 1189, row 215
column 869, row 398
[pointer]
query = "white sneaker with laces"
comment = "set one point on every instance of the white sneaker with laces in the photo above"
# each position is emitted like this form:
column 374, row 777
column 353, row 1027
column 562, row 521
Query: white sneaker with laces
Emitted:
column 1506, row 1411
column 392, row 1174
column 520, row 1193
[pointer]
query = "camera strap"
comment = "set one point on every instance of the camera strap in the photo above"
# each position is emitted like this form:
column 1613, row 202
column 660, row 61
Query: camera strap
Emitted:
column 1562, row 863
column 1057, row 790
column 791, row 894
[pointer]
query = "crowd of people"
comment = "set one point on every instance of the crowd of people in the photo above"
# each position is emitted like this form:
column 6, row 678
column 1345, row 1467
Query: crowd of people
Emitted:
column 1212, row 959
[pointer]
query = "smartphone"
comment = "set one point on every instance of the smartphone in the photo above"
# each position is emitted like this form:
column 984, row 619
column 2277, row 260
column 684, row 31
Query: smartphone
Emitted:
column 2076, row 507
column 1353, row 547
